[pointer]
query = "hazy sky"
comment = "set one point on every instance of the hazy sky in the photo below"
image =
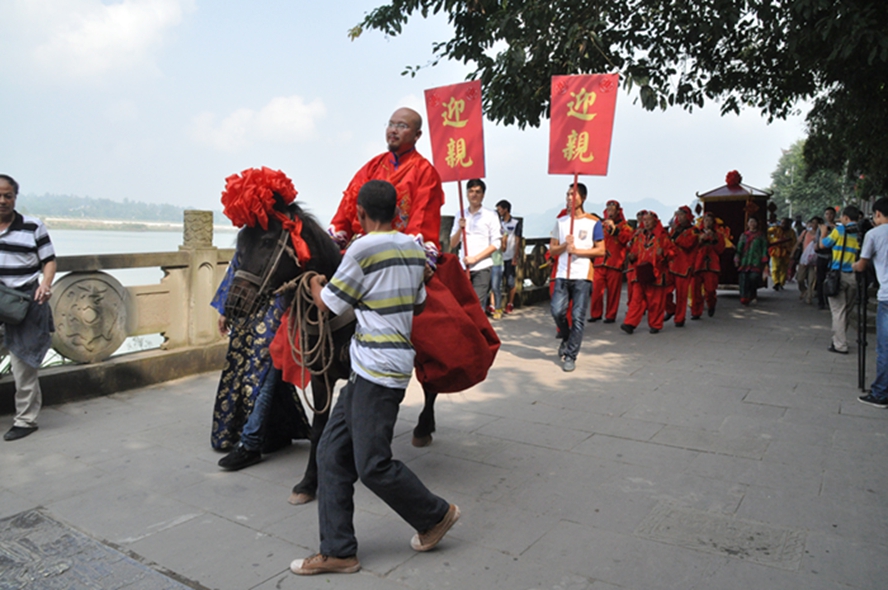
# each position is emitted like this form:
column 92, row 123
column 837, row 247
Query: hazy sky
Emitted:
column 160, row 100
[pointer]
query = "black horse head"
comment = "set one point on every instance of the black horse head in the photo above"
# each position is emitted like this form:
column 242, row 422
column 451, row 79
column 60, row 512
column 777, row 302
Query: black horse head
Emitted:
column 266, row 260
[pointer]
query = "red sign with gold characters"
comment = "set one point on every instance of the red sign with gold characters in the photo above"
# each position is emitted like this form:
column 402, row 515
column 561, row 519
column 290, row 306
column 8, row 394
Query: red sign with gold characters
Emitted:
column 456, row 130
column 582, row 122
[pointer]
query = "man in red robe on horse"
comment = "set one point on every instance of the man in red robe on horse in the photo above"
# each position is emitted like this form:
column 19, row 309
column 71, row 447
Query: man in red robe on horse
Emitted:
column 452, row 313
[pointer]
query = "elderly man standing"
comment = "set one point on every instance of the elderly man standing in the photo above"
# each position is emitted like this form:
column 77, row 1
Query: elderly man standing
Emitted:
column 25, row 252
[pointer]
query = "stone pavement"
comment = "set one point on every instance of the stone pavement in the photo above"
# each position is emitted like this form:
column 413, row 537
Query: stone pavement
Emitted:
column 728, row 454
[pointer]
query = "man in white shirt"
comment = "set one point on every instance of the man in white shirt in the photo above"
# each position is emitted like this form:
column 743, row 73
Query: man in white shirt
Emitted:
column 875, row 248
column 574, row 251
column 483, row 234
column 511, row 246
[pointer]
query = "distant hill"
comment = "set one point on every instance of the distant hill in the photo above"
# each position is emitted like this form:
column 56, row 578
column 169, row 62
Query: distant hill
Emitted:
column 89, row 208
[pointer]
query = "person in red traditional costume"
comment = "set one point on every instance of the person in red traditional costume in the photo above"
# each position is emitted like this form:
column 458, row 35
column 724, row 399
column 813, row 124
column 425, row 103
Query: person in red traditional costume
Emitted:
column 685, row 237
column 449, row 319
column 630, row 269
column 707, row 266
column 609, row 268
column 648, row 255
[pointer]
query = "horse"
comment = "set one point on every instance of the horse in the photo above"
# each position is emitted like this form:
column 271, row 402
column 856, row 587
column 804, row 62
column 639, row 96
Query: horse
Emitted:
column 268, row 263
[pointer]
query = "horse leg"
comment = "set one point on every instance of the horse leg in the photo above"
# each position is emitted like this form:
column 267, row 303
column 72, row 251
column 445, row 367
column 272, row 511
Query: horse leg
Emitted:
column 306, row 490
column 422, row 434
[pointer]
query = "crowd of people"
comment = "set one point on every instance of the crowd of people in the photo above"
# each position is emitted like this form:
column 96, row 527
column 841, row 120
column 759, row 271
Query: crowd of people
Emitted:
column 387, row 277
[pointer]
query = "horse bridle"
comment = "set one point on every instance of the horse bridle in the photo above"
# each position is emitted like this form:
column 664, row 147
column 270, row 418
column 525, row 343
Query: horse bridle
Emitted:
column 248, row 302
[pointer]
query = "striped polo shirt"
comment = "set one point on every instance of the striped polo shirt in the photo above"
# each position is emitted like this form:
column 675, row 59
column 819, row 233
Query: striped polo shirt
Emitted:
column 24, row 248
column 381, row 277
column 836, row 239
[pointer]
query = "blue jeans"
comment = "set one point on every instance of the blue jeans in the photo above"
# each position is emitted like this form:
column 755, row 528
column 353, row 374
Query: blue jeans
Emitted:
column 357, row 444
column 579, row 291
column 880, row 385
column 253, row 434
column 496, row 284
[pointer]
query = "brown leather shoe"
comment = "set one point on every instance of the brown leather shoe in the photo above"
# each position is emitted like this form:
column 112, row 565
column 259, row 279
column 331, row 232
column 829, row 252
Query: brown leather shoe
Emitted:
column 325, row 564
column 428, row 539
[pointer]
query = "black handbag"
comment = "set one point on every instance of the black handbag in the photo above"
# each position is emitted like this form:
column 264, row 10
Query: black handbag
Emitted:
column 14, row 305
column 832, row 284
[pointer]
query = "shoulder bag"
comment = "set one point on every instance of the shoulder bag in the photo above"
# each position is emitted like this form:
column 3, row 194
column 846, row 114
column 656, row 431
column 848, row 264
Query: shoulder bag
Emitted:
column 14, row 305
column 833, row 282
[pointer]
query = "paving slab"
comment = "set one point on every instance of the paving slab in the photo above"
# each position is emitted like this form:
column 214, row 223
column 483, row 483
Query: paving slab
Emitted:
column 728, row 454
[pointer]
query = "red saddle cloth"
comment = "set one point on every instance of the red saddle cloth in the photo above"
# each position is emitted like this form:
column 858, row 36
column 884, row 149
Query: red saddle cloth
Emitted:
column 454, row 341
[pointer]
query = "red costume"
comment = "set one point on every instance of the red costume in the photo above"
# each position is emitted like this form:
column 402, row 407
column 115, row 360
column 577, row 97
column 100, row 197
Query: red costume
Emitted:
column 609, row 268
column 420, row 198
column 707, row 268
column 681, row 267
column 454, row 342
column 649, row 254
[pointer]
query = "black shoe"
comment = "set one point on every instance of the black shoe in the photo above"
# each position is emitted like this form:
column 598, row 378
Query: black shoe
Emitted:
column 627, row 328
column 239, row 458
column 275, row 444
column 594, row 319
column 668, row 316
column 654, row 331
column 832, row 348
column 695, row 317
column 711, row 312
column 871, row 400
column 561, row 348
column 679, row 324
column 609, row 321
column 17, row 432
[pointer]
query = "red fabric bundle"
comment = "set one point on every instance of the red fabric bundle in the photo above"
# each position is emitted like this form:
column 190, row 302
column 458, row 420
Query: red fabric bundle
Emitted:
column 455, row 343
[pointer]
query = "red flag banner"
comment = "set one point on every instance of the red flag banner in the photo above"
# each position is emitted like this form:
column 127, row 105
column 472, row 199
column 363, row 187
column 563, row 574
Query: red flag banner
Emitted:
column 456, row 130
column 582, row 122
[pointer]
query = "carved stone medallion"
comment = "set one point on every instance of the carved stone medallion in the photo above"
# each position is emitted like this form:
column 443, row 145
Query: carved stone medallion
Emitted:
column 90, row 316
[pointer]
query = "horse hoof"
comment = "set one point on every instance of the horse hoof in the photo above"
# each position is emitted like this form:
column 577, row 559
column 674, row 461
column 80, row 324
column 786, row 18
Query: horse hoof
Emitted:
column 421, row 441
column 297, row 499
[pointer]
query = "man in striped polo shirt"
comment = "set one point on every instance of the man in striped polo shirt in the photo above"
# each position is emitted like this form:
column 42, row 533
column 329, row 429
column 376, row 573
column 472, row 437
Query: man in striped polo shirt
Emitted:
column 381, row 277
column 25, row 252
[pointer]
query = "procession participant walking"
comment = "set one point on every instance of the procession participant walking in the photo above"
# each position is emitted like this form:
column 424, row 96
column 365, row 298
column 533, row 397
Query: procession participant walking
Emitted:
column 484, row 235
column 750, row 259
column 649, row 254
column 609, row 268
column 781, row 243
column 381, row 278
column 26, row 253
column 684, row 236
column 512, row 234
column 707, row 266
column 574, row 251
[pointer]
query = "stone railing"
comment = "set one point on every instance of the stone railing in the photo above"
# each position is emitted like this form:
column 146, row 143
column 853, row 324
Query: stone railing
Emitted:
column 94, row 314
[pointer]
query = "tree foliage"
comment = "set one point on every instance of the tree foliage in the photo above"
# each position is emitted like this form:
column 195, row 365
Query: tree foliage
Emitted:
column 809, row 193
column 764, row 54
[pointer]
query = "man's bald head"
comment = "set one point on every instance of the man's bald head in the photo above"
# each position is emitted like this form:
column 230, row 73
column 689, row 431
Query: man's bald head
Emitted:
column 404, row 128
